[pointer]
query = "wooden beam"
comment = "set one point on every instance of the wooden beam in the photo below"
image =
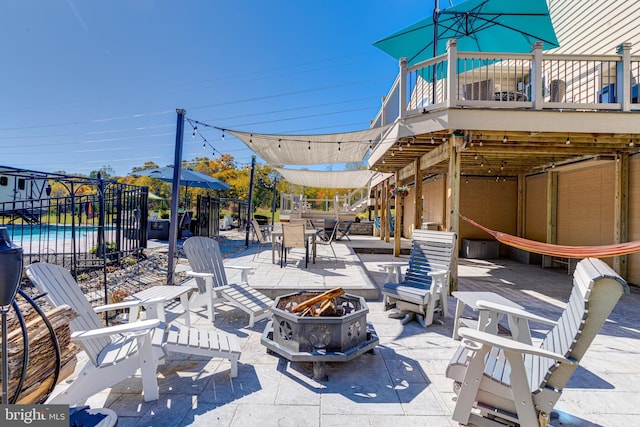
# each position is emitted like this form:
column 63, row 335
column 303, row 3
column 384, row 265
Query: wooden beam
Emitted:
column 453, row 205
column 417, row 195
column 552, row 207
column 621, row 211
column 435, row 156
column 521, row 214
column 397, row 231
column 385, row 223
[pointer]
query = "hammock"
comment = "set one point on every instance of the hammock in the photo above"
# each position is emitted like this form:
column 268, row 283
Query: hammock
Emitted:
column 561, row 251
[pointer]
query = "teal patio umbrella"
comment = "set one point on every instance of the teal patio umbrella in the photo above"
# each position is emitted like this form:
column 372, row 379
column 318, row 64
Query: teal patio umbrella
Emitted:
column 188, row 178
column 479, row 26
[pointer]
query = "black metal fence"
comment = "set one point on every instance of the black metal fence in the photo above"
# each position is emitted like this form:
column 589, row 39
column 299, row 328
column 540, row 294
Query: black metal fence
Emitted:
column 87, row 224
column 207, row 216
column 238, row 210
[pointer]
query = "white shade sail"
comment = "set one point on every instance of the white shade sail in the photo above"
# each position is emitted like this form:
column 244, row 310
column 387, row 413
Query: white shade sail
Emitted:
column 311, row 149
column 330, row 179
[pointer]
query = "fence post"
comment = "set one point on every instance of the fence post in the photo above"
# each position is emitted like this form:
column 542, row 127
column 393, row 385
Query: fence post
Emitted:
column 452, row 87
column 402, row 89
column 623, row 76
column 536, row 89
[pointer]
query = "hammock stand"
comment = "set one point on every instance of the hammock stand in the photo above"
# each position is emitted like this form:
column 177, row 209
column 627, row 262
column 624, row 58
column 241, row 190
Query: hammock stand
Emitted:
column 561, row 251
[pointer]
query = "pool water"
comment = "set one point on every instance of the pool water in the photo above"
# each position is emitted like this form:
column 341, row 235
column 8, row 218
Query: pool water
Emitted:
column 27, row 233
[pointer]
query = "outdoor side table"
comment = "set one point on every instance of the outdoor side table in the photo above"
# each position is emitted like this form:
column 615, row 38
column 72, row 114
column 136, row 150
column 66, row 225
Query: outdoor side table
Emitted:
column 487, row 320
column 393, row 270
column 166, row 293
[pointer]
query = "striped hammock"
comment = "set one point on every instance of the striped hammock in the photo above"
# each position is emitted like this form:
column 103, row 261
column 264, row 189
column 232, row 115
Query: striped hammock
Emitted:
column 561, row 251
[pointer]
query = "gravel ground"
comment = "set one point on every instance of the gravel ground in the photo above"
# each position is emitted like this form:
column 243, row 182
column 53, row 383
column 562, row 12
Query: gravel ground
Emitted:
column 136, row 273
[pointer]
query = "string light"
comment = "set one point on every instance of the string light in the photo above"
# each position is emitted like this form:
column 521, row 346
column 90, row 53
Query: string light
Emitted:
column 309, row 145
column 223, row 135
column 279, row 147
column 568, row 141
column 505, row 139
column 338, row 145
column 399, row 146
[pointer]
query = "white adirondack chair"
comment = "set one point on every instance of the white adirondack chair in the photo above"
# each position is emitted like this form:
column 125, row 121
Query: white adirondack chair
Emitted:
column 208, row 268
column 426, row 283
column 115, row 352
column 501, row 381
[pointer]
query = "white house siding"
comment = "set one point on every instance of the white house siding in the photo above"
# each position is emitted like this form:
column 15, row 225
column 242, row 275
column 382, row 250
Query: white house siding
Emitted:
column 595, row 27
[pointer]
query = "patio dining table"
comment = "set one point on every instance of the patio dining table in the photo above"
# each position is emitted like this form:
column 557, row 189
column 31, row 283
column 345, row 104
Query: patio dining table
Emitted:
column 276, row 235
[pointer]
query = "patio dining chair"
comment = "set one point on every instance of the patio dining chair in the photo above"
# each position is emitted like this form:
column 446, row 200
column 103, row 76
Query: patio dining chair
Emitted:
column 262, row 238
column 329, row 236
column 344, row 230
column 293, row 237
column 325, row 231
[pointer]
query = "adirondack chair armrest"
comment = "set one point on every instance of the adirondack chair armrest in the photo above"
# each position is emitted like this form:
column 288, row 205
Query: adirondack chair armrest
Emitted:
column 126, row 304
column 438, row 273
column 515, row 312
column 244, row 269
column 199, row 274
column 507, row 344
column 141, row 327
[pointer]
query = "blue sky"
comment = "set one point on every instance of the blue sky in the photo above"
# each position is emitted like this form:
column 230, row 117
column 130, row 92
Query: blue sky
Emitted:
column 87, row 84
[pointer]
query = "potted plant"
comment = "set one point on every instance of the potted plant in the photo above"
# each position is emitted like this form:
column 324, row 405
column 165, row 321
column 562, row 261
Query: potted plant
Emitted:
column 401, row 191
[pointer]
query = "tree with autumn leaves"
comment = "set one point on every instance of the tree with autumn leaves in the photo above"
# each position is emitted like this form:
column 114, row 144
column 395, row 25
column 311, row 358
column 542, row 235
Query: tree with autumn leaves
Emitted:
column 225, row 169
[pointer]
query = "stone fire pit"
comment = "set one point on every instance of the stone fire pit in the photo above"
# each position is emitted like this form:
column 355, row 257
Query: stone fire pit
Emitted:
column 338, row 337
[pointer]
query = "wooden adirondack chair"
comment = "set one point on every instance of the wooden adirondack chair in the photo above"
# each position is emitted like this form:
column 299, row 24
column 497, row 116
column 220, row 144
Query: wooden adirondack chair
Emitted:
column 208, row 268
column 426, row 282
column 117, row 352
column 500, row 381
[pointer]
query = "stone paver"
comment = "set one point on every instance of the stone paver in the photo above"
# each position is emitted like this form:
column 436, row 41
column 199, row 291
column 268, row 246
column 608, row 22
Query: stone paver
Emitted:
column 402, row 383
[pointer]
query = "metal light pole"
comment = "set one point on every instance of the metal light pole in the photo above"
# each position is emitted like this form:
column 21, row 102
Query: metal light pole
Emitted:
column 274, row 182
column 249, row 207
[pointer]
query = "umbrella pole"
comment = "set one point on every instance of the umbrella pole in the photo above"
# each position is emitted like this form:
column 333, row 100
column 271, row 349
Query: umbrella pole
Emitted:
column 436, row 16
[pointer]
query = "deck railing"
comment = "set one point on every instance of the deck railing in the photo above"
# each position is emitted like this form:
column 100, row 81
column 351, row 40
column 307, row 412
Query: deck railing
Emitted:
column 347, row 204
column 535, row 80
